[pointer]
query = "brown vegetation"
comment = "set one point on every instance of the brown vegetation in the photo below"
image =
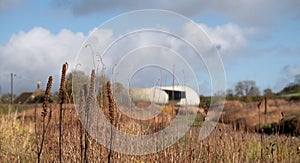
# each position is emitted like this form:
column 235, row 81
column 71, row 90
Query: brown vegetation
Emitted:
column 223, row 145
column 247, row 114
column 57, row 133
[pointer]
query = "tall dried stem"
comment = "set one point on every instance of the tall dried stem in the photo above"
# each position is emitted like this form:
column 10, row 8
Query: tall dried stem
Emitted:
column 89, row 105
column 82, row 106
column 62, row 91
column 261, row 135
column 44, row 115
column 111, row 107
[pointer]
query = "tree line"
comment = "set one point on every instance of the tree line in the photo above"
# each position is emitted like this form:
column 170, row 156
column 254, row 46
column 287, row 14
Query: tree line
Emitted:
column 247, row 90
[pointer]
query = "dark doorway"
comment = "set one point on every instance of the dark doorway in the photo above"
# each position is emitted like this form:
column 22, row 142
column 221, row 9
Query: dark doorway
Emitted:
column 178, row 95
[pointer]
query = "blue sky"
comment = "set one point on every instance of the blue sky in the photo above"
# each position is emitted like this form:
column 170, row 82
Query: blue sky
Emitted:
column 259, row 39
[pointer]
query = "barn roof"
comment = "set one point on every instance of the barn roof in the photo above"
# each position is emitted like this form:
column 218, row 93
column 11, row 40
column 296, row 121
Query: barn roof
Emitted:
column 23, row 98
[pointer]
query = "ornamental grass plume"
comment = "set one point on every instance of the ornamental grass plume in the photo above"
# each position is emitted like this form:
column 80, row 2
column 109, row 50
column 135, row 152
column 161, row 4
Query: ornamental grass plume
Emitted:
column 62, row 87
column 111, row 108
column 62, row 91
column 44, row 115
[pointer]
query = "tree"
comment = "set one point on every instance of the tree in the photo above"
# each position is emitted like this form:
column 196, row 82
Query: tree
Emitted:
column 230, row 95
column 246, row 88
column 239, row 89
column 268, row 93
column 291, row 88
column 79, row 80
column 229, row 92
column 250, row 88
column 253, row 91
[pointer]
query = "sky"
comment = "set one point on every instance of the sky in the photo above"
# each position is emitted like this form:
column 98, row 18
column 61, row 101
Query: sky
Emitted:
column 257, row 40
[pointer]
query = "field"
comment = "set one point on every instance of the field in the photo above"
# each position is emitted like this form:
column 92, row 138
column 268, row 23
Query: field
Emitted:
column 263, row 131
column 21, row 135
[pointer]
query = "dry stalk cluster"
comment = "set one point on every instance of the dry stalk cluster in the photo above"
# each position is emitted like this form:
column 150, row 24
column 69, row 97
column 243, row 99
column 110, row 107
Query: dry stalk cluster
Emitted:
column 65, row 139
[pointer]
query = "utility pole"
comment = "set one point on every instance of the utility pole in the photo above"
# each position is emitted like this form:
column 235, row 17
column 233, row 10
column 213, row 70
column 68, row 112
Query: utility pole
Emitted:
column 173, row 94
column 0, row 92
column 12, row 87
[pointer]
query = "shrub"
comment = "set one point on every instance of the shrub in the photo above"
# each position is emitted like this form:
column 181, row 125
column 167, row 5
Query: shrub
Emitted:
column 290, row 125
column 269, row 129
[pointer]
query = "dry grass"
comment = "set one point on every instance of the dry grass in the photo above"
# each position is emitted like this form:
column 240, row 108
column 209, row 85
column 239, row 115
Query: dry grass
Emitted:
column 16, row 139
column 235, row 111
column 223, row 145
column 64, row 139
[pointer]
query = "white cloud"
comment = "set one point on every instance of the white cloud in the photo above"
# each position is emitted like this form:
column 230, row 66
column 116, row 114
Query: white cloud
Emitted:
column 133, row 52
column 229, row 38
column 36, row 54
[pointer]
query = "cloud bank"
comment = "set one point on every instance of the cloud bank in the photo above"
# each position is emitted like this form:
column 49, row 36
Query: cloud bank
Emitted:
column 228, row 38
column 255, row 12
column 38, row 53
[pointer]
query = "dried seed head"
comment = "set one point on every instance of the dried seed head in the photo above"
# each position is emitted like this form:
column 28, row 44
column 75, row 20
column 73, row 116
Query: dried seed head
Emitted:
column 47, row 96
column 111, row 102
column 47, row 92
column 91, row 93
column 62, row 82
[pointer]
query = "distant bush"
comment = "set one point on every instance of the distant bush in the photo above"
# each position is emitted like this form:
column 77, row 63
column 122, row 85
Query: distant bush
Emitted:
column 292, row 88
column 290, row 125
column 232, row 98
column 205, row 99
column 294, row 98
column 269, row 129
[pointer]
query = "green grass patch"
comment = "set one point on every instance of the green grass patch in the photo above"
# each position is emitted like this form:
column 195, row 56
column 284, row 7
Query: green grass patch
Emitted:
column 291, row 95
column 7, row 108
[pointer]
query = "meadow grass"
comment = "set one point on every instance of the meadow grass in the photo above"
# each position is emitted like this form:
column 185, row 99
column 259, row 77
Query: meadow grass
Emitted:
column 223, row 145
column 28, row 137
column 16, row 139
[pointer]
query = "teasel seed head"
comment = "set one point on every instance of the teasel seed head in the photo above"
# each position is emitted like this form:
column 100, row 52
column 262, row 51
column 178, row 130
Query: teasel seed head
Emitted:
column 47, row 92
column 62, row 82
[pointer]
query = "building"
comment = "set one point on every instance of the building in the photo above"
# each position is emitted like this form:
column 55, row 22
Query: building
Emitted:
column 24, row 98
column 29, row 97
column 182, row 95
